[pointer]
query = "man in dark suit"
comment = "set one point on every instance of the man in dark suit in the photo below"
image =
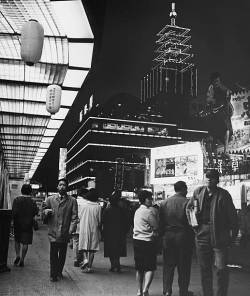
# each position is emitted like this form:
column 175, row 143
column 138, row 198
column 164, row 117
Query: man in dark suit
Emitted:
column 178, row 240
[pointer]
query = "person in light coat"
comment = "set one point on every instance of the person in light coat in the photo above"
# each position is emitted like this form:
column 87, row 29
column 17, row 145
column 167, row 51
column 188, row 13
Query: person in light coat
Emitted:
column 78, row 256
column 89, row 234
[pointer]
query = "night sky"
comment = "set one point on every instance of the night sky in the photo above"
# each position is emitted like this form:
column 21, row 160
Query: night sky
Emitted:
column 220, row 33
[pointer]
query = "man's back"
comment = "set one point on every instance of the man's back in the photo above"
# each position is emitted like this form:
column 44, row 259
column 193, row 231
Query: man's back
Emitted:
column 173, row 214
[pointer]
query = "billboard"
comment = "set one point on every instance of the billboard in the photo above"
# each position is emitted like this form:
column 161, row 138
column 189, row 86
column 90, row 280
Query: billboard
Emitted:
column 173, row 163
column 240, row 121
column 62, row 163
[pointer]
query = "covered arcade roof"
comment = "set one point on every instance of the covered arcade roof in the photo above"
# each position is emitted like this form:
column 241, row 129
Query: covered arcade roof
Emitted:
column 26, row 128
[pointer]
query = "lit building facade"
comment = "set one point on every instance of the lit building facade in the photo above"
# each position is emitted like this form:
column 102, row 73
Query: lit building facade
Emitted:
column 112, row 143
column 115, row 152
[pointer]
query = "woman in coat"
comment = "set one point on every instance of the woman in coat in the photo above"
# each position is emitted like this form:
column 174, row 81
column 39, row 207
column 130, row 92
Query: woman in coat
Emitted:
column 115, row 227
column 89, row 232
column 23, row 210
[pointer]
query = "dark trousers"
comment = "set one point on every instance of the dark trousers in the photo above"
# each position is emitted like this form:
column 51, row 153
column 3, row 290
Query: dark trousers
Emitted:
column 177, row 252
column 115, row 261
column 208, row 257
column 57, row 258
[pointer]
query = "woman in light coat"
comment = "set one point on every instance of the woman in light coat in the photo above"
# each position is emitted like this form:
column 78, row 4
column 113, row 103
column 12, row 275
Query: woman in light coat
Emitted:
column 89, row 233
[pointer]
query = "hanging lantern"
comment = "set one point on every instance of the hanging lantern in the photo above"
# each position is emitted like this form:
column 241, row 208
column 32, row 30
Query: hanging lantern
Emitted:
column 32, row 36
column 53, row 98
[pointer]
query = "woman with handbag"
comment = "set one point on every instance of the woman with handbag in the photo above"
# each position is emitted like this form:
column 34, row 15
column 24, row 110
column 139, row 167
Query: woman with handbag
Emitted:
column 24, row 210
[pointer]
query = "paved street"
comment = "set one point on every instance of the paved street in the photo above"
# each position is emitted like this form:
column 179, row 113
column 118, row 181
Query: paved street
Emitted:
column 33, row 279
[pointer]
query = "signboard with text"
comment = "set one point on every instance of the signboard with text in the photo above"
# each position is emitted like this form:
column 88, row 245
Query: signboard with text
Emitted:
column 240, row 121
column 132, row 127
column 173, row 163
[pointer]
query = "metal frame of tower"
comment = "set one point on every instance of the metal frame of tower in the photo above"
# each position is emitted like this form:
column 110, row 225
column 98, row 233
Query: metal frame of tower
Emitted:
column 173, row 56
column 173, row 50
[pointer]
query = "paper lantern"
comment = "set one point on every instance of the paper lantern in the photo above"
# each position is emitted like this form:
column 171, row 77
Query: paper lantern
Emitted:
column 32, row 36
column 53, row 98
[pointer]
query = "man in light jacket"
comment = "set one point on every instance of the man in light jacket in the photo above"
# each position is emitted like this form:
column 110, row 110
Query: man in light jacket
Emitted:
column 217, row 228
column 60, row 212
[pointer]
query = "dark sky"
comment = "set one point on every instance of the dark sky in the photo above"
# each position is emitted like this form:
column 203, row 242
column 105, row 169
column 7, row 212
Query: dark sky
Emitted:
column 220, row 37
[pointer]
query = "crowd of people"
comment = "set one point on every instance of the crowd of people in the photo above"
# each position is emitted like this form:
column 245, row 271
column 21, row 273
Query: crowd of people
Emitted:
column 86, row 222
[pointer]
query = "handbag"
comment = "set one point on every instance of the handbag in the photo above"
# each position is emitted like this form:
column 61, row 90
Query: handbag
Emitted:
column 35, row 224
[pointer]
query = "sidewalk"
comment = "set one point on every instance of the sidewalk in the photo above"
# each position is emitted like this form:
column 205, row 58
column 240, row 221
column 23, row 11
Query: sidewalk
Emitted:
column 33, row 279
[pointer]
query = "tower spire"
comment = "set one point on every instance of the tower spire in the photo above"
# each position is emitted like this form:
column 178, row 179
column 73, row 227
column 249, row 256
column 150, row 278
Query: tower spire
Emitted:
column 173, row 14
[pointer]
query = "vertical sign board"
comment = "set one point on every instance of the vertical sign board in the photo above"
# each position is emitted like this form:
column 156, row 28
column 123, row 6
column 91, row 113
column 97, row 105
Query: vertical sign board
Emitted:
column 181, row 162
column 240, row 121
column 62, row 163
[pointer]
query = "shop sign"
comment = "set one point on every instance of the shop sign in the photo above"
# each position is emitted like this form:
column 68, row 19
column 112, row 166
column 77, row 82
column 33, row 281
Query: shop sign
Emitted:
column 240, row 121
column 133, row 128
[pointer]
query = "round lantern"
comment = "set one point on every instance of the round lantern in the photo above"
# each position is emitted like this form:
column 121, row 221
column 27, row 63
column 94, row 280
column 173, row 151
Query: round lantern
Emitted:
column 32, row 36
column 53, row 98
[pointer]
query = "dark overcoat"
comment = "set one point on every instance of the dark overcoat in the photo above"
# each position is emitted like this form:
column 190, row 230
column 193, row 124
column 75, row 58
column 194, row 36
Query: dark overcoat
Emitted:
column 24, row 209
column 115, row 226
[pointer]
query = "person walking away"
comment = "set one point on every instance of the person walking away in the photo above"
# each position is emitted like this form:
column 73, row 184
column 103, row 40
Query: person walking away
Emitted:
column 78, row 255
column 24, row 210
column 178, row 240
column 144, row 233
column 89, row 235
column 60, row 212
column 217, row 229
column 115, row 227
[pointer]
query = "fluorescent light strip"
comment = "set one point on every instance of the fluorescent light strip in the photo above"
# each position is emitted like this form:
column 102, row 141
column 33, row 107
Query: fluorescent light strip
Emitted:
column 80, row 180
column 122, row 120
column 190, row 130
column 120, row 133
column 107, row 145
column 134, row 134
column 103, row 161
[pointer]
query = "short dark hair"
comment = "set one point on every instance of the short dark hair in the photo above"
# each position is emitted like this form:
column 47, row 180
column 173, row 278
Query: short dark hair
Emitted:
column 92, row 194
column 179, row 186
column 26, row 189
column 213, row 173
column 114, row 200
column 214, row 76
column 82, row 191
column 63, row 180
column 143, row 195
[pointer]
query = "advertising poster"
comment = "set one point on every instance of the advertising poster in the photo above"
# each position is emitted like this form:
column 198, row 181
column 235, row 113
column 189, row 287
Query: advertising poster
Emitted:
column 169, row 164
column 62, row 163
column 240, row 121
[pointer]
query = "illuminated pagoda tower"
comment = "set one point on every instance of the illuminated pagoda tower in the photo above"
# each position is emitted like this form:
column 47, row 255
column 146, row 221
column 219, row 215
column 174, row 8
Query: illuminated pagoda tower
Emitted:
column 173, row 77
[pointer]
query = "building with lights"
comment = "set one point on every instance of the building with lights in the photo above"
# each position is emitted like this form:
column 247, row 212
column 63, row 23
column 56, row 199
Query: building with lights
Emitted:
column 113, row 145
column 172, row 80
column 113, row 142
